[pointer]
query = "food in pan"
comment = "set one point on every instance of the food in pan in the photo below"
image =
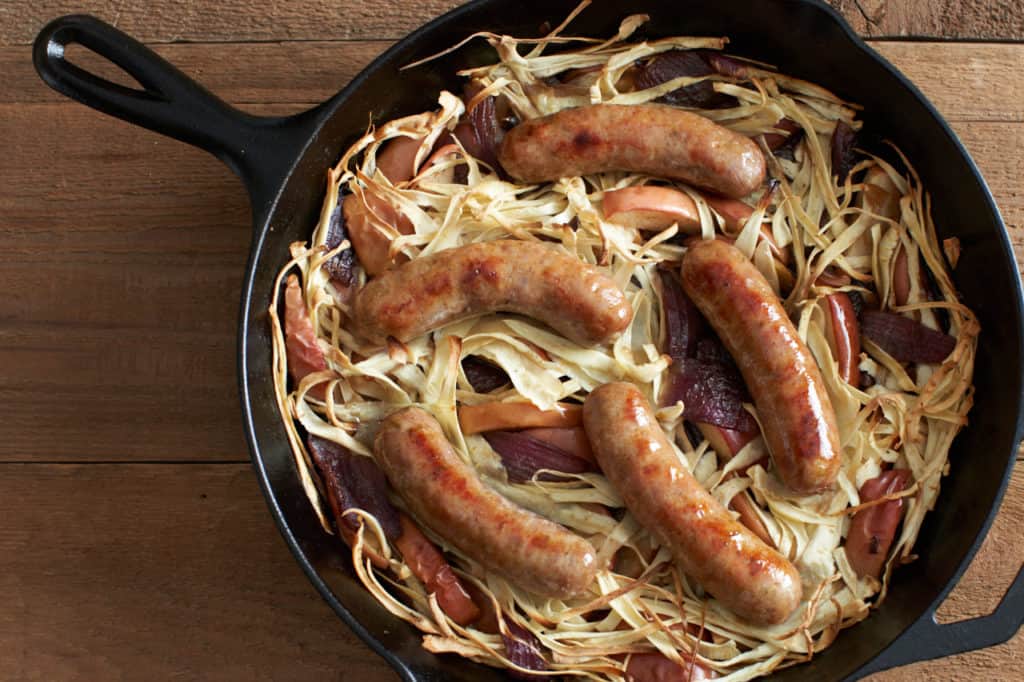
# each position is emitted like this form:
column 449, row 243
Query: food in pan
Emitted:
column 627, row 362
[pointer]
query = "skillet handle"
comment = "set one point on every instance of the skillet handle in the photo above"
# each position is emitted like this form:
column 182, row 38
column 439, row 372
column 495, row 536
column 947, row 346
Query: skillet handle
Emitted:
column 260, row 150
column 926, row 639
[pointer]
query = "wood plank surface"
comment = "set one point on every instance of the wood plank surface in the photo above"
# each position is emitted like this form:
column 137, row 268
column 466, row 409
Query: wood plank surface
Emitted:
column 238, row 20
column 134, row 542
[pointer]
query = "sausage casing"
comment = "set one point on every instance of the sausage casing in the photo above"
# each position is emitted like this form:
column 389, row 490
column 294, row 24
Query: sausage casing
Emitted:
column 796, row 414
column 751, row 579
column 446, row 495
column 649, row 138
column 529, row 278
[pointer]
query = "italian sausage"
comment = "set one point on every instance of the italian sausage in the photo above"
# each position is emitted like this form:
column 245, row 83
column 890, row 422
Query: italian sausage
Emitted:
column 796, row 414
column 751, row 579
column 446, row 495
column 650, row 138
column 529, row 278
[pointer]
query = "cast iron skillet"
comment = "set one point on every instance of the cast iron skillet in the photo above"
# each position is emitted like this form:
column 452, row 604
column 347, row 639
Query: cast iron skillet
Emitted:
column 282, row 162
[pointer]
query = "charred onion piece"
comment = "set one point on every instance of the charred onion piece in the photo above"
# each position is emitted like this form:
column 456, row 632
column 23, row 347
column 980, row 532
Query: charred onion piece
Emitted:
column 783, row 145
column 843, row 158
column 523, row 456
column 675, row 64
column 845, row 335
column 905, row 339
column 523, row 649
column 482, row 375
column 340, row 267
column 873, row 529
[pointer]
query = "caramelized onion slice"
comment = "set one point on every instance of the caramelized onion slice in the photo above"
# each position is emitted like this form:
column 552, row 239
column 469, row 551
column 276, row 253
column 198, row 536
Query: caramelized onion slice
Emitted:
column 905, row 339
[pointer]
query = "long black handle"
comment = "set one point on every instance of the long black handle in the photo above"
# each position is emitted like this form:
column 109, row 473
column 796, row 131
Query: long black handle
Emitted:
column 926, row 639
column 260, row 150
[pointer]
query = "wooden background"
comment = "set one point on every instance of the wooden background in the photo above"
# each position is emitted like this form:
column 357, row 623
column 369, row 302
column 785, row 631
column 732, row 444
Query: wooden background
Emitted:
column 134, row 543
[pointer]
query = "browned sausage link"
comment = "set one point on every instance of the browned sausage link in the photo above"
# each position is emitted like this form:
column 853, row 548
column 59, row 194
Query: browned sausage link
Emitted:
column 650, row 138
column 752, row 580
column 532, row 279
column 796, row 414
column 445, row 493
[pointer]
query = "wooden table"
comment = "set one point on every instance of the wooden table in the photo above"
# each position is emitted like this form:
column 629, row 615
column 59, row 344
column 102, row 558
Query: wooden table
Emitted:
column 134, row 542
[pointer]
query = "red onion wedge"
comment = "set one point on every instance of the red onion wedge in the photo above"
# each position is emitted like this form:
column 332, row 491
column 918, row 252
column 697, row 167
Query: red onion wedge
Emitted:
column 482, row 375
column 675, row 64
column 905, row 339
column 480, row 133
column 843, row 139
column 353, row 482
column 873, row 529
column 711, row 392
column 524, row 456
column 523, row 649
column 683, row 323
column 340, row 268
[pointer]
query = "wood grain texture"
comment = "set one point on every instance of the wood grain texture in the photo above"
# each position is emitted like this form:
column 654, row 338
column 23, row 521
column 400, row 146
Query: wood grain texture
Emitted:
column 237, row 20
column 123, row 257
column 973, row 19
column 158, row 572
column 968, row 82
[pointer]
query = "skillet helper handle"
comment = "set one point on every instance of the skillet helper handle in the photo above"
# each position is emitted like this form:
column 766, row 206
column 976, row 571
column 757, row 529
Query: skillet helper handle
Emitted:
column 259, row 149
column 926, row 639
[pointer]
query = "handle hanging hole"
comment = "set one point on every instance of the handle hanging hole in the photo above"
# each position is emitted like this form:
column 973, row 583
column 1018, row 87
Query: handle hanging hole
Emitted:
column 88, row 60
